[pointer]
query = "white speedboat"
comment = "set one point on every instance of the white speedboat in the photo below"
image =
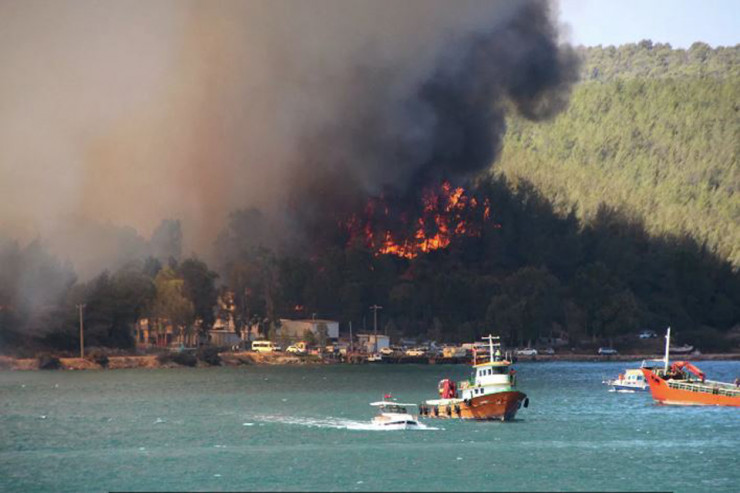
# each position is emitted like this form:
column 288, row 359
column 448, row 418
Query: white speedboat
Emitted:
column 394, row 416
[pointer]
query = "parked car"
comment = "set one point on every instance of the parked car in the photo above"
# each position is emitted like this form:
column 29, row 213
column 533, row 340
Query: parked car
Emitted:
column 387, row 351
column 296, row 349
column 415, row 352
column 648, row 334
column 607, row 351
column 526, row 352
column 549, row 351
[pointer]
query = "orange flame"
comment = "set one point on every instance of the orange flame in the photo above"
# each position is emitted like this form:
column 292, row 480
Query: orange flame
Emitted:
column 445, row 214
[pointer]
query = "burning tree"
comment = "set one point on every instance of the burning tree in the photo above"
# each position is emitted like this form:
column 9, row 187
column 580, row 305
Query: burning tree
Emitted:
column 445, row 213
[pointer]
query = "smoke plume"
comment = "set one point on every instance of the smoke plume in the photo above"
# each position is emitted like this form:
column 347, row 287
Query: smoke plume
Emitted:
column 123, row 114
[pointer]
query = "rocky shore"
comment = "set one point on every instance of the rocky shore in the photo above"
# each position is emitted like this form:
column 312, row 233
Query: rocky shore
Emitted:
column 152, row 361
column 252, row 358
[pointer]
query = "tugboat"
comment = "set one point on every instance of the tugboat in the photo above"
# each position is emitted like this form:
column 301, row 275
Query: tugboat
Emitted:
column 684, row 384
column 488, row 395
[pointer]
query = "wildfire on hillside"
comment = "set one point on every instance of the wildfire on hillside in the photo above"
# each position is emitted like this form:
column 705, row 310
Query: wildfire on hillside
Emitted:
column 446, row 213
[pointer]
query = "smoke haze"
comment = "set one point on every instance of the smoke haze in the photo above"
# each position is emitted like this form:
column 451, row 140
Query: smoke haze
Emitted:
column 116, row 115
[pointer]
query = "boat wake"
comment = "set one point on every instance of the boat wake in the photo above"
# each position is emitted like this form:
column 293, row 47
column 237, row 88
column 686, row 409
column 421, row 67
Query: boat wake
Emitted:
column 334, row 423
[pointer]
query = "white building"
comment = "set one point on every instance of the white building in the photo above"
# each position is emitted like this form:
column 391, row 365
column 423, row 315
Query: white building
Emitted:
column 367, row 342
column 296, row 328
column 221, row 337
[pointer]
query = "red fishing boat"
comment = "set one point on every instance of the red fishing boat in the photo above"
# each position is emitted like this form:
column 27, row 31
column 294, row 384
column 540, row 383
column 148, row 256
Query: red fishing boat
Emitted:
column 682, row 383
column 488, row 395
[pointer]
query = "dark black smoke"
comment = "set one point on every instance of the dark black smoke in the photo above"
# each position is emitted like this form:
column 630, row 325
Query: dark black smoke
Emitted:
column 394, row 137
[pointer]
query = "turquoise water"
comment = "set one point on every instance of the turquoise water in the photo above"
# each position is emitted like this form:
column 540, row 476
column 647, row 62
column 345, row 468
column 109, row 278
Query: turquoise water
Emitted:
column 306, row 428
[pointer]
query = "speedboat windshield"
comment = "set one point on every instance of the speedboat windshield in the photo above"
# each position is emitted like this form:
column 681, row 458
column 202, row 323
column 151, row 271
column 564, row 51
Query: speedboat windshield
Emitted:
column 393, row 408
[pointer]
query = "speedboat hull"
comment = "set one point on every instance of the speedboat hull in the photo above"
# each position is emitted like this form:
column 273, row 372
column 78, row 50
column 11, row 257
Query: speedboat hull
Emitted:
column 501, row 406
column 398, row 425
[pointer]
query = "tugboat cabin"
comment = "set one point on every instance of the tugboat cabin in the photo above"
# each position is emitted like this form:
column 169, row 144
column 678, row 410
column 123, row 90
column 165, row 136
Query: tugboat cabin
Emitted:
column 492, row 371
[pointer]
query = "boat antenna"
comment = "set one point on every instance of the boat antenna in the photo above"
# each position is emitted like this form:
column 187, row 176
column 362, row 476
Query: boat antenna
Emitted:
column 667, row 345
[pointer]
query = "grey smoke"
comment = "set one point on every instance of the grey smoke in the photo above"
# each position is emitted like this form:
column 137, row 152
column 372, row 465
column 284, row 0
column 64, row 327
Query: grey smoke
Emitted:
column 446, row 124
column 118, row 115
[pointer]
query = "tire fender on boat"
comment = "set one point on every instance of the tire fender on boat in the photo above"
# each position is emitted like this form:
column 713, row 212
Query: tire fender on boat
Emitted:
column 526, row 402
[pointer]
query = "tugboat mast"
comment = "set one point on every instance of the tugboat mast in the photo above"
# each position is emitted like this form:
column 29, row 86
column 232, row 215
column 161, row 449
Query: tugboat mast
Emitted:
column 490, row 339
column 667, row 346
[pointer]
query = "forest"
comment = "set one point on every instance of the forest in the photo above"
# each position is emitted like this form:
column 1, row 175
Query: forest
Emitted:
column 618, row 215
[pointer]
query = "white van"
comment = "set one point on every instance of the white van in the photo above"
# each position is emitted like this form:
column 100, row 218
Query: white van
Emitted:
column 264, row 346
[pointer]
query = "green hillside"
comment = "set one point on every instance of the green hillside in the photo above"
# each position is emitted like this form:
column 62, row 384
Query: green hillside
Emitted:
column 652, row 131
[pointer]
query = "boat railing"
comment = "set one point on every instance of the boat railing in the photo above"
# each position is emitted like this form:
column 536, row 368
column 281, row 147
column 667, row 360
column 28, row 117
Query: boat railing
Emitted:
column 707, row 388
column 483, row 356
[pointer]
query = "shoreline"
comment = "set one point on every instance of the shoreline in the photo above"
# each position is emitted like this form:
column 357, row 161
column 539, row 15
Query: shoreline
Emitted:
column 248, row 358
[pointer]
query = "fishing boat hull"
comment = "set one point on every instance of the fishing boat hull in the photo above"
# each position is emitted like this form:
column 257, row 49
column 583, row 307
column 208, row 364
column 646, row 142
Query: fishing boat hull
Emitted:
column 628, row 389
column 691, row 394
column 618, row 387
column 501, row 406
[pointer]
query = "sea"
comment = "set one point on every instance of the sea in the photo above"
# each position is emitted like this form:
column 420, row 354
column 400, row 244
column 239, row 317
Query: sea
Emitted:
column 307, row 428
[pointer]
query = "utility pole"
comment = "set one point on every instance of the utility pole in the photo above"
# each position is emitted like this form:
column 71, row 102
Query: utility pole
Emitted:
column 81, row 307
column 351, row 348
column 375, row 309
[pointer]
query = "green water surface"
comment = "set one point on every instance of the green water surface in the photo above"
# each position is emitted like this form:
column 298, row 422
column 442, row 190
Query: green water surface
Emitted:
column 307, row 428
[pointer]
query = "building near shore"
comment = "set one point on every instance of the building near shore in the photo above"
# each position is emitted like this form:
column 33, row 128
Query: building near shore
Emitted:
column 371, row 343
column 297, row 328
column 222, row 337
column 154, row 333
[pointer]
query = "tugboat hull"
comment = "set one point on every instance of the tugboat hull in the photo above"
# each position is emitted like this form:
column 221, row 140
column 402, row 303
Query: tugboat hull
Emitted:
column 501, row 406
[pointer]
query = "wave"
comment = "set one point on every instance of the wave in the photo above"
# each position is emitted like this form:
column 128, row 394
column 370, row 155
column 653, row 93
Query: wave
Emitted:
column 334, row 423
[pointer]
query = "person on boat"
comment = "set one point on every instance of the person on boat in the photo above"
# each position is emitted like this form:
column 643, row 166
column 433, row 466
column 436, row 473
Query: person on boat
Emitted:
column 737, row 382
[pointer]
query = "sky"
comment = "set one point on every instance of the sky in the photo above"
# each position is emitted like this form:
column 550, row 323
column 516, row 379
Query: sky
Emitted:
column 678, row 22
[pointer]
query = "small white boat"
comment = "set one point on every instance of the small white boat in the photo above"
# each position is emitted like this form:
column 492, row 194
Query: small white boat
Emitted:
column 394, row 416
column 632, row 380
column 374, row 358
column 685, row 349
